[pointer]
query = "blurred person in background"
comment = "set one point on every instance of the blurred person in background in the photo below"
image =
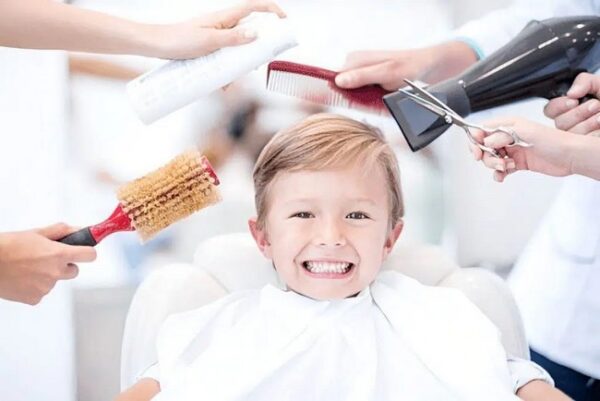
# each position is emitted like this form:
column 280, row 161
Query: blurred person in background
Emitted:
column 556, row 280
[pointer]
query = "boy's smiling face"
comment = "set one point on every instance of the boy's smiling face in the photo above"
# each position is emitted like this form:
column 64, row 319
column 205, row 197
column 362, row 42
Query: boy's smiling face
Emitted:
column 327, row 231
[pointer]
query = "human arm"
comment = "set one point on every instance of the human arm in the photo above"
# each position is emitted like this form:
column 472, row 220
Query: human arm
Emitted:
column 434, row 63
column 554, row 152
column 31, row 262
column 100, row 68
column 47, row 24
column 539, row 390
column 472, row 41
column 144, row 390
column 390, row 67
column 531, row 382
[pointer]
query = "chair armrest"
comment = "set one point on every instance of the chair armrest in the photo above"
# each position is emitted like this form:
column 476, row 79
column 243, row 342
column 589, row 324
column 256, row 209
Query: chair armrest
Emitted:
column 171, row 289
column 493, row 297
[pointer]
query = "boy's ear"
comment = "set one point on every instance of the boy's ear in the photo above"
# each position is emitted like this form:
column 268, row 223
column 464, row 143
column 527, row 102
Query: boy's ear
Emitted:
column 392, row 238
column 260, row 237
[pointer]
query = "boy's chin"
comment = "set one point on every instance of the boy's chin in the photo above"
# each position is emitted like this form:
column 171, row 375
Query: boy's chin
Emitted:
column 326, row 294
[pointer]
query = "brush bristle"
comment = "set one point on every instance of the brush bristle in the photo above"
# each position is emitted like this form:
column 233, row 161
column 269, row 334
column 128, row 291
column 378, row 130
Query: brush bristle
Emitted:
column 305, row 87
column 183, row 186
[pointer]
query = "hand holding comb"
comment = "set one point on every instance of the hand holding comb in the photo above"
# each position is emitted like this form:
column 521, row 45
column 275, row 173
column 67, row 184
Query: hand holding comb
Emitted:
column 318, row 85
column 151, row 203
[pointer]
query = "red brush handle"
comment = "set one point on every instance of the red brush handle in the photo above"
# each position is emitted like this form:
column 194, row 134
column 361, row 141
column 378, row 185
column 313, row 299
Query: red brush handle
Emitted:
column 117, row 221
column 208, row 168
column 90, row 236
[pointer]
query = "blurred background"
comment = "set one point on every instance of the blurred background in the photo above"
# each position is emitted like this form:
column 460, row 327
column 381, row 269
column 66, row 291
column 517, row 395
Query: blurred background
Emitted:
column 451, row 200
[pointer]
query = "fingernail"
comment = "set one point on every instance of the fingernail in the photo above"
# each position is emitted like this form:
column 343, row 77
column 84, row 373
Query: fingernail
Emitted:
column 250, row 34
column 499, row 167
column 571, row 103
column 593, row 106
column 510, row 165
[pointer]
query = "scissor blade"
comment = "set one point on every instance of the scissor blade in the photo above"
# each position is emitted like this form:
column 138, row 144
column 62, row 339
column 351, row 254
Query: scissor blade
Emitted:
column 426, row 104
column 427, row 95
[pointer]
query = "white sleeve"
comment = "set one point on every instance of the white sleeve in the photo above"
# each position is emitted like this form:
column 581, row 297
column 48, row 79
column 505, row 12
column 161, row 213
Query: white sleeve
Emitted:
column 488, row 33
column 522, row 371
column 150, row 372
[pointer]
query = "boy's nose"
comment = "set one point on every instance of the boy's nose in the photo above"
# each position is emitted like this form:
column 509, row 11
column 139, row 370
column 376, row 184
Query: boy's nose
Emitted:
column 330, row 234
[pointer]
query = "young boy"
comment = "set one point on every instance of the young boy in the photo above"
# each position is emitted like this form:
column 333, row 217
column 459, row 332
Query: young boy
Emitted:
column 329, row 211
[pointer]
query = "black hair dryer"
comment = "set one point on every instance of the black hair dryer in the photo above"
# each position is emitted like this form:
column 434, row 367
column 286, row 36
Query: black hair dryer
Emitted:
column 541, row 61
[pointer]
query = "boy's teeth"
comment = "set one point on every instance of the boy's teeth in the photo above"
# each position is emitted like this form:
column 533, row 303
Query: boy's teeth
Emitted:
column 327, row 267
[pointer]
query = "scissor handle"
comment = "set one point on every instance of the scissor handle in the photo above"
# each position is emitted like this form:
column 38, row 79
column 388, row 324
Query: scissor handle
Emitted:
column 481, row 146
column 517, row 141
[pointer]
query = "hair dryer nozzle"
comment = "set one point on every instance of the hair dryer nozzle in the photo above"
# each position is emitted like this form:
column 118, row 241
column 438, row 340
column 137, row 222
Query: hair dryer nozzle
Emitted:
column 420, row 126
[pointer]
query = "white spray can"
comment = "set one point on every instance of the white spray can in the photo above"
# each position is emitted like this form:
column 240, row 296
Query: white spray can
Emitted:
column 177, row 83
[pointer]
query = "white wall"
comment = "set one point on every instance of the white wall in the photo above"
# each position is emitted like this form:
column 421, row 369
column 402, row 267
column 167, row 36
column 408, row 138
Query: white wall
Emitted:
column 466, row 10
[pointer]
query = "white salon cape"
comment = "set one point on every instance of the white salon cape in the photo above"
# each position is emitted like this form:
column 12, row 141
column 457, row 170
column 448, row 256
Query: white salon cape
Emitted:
column 36, row 342
column 556, row 281
column 396, row 340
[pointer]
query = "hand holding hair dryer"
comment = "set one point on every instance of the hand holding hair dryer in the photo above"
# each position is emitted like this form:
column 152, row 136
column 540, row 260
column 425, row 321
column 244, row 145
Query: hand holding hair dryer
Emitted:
column 541, row 61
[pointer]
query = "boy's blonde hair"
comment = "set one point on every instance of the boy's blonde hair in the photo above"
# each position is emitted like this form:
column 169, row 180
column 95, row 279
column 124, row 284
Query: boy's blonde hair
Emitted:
column 326, row 141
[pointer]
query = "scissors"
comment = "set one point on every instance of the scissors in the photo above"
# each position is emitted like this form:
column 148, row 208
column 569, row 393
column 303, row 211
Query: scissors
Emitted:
column 430, row 102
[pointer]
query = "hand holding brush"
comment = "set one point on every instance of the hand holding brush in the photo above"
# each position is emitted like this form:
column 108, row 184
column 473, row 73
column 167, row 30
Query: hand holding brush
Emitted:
column 32, row 262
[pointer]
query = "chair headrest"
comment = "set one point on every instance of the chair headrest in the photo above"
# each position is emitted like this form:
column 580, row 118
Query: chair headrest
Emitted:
column 236, row 263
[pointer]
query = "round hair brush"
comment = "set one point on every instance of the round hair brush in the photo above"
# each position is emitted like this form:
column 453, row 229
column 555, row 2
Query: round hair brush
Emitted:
column 153, row 202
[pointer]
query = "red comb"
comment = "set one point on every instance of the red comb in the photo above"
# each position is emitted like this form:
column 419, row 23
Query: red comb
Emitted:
column 318, row 85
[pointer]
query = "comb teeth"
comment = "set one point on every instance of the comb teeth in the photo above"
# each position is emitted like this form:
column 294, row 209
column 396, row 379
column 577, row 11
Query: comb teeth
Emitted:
column 313, row 89
column 171, row 193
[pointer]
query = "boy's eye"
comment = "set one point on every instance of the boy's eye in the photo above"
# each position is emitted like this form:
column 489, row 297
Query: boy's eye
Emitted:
column 357, row 216
column 302, row 215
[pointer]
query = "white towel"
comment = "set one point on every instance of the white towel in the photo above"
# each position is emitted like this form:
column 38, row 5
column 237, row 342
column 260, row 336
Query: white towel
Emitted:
column 397, row 340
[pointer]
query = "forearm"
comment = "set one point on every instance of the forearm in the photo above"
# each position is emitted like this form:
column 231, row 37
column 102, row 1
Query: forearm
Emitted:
column 449, row 59
column 143, row 390
column 47, row 24
column 538, row 390
column 101, row 68
column 4, row 249
column 584, row 153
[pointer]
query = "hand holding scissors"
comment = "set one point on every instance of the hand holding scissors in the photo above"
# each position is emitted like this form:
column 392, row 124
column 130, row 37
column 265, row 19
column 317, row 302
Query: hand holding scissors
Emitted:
column 427, row 100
